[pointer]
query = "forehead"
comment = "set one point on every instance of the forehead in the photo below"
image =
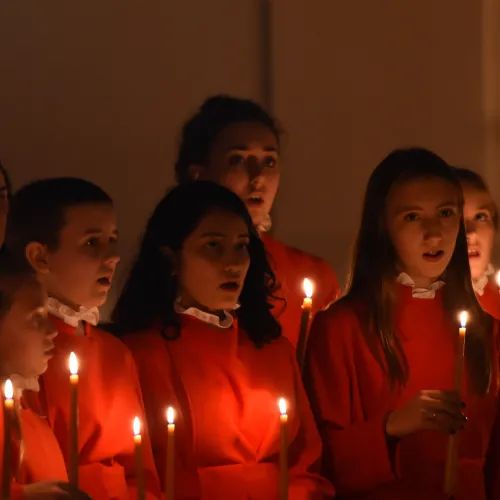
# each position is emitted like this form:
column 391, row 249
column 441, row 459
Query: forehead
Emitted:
column 29, row 296
column 91, row 216
column 248, row 135
column 222, row 223
column 424, row 192
column 476, row 197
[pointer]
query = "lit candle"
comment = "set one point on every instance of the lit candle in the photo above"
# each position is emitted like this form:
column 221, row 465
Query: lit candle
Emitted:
column 169, row 472
column 283, row 450
column 498, row 279
column 73, row 420
column 450, row 477
column 141, row 494
column 8, row 414
column 305, row 320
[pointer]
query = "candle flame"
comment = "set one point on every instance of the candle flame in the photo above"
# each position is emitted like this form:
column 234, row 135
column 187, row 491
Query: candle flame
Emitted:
column 463, row 319
column 498, row 278
column 137, row 426
column 308, row 288
column 8, row 389
column 282, row 406
column 73, row 364
column 170, row 415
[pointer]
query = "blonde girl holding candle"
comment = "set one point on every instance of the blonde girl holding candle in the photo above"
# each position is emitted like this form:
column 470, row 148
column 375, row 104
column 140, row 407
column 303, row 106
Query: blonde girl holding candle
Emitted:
column 195, row 313
column 26, row 346
column 381, row 361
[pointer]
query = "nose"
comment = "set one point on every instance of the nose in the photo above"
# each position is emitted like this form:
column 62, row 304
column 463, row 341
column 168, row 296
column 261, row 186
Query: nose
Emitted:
column 432, row 230
column 255, row 168
column 112, row 258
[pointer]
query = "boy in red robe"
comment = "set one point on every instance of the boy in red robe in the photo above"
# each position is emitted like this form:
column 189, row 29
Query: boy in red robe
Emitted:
column 196, row 313
column 26, row 345
column 381, row 361
column 235, row 142
column 66, row 229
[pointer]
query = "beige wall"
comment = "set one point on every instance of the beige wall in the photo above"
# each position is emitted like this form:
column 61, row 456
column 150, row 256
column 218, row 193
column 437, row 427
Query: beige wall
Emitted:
column 100, row 89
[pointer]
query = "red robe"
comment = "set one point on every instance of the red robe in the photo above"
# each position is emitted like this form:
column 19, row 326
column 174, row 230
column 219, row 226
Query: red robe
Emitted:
column 42, row 458
column 225, row 392
column 350, row 397
column 490, row 300
column 291, row 266
column 109, row 399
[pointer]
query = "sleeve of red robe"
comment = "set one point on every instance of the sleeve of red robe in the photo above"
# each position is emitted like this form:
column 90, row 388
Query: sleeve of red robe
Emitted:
column 355, row 455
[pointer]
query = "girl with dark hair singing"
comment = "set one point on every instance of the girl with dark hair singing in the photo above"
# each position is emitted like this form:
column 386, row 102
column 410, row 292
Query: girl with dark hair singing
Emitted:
column 195, row 314
column 381, row 361
column 235, row 142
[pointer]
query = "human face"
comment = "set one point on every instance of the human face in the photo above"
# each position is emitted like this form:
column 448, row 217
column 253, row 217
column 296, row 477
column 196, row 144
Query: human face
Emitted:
column 245, row 159
column 4, row 206
column 213, row 263
column 26, row 333
column 478, row 215
column 79, row 272
column 423, row 220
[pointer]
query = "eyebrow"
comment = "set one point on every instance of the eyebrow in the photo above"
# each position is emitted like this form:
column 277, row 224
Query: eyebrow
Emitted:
column 222, row 235
column 416, row 208
column 97, row 231
column 268, row 149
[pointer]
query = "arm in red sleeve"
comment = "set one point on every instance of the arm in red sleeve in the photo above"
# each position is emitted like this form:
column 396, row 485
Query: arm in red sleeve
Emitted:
column 356, row 456
column 306, row 481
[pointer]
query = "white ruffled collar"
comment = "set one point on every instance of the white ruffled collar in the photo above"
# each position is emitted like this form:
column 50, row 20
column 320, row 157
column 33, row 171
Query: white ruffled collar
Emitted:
column 480, row 284
column 265, row 225
column 420, row 292
column 21, row 384
column 211, row 319
column 70, row 316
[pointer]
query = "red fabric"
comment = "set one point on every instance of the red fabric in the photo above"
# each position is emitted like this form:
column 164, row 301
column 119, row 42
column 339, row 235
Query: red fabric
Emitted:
column 225, row 392
column 291, row 266
column 109, row 399
column 350, row 396
column 490, row 300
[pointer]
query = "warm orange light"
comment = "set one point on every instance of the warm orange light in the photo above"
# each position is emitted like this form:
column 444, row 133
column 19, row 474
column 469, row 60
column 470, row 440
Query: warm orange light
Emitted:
column 137, row 426
column 8, row 389
column 308, row 288
column 282, row 406
column 463, row 319
column 498, row 278
column 170, row 415
column 73, row 364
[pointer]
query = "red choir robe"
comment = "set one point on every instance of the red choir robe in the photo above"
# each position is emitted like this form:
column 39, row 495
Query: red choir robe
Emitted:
column 490, row 299
column 109, row 399
column 291, row 266
column 350, row 397
column 42, row 458
column 225, row 393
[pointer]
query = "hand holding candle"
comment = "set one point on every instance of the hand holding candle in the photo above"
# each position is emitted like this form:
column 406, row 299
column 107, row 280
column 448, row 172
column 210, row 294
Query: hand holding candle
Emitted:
column 452, row 450
column 73, row 420
column 283, row 450
column 169, row 472
column 141, row 493
column 305, row 321
column 8, row 415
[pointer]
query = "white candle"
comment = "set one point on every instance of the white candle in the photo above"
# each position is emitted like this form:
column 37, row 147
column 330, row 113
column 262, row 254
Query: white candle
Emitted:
column 8, row 414
column 141, row 493
column 305, row 320
column 283, row 450
column 170, row 468
column 73, row 420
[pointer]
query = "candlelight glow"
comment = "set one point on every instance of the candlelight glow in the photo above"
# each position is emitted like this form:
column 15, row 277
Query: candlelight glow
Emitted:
column 73, row 364
column 463, row 319
column 8, row 389
column 308, row 288
column 498, row 278
column 170, row 415
column 282, row 406
column 137, row 426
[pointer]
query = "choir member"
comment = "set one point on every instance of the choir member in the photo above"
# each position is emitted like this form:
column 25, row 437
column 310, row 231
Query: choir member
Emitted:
column 481, row 222
column 196, row 316
column 235, row 142
column 26, row 345
column 381, row 361
column 66, row 228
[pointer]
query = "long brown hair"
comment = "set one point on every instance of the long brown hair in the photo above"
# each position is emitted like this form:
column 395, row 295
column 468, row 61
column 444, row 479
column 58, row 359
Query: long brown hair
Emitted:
column 373, row 270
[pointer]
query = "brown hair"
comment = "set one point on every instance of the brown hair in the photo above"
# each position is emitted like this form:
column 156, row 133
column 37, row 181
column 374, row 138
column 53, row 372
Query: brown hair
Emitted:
column 373, row 269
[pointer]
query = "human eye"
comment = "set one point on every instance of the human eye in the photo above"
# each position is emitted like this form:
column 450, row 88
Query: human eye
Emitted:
column 236, row 160
column 447, row 212
column 411, row 217
column 482, row 217
column 270, row 162
column 92, row 242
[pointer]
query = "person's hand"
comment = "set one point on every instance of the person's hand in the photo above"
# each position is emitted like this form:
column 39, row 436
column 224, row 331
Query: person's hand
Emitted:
column 53, row 490
column 434, row 410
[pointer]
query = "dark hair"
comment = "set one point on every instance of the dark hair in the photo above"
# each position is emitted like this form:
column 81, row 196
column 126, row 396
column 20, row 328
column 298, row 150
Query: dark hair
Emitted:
column 202, row 129
column 373, row 268
column 473, row 179
column 150, row 291
column 38, row 210
column 8, row 183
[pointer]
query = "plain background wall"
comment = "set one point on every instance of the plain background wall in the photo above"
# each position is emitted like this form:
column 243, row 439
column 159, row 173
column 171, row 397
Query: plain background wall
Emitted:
column 100, row 89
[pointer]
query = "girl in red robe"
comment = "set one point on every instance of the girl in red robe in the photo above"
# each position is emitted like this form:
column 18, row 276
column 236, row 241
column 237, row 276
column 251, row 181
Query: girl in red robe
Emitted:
column 381, row 361
column 26, row 345
column 481, row 223
column 235, row 142
column 198, row 322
